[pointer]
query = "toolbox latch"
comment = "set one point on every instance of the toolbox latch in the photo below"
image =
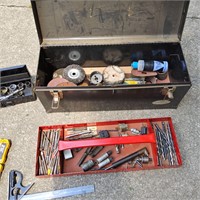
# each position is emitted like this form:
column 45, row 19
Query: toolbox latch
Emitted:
column 56, row 99
column 168, row 92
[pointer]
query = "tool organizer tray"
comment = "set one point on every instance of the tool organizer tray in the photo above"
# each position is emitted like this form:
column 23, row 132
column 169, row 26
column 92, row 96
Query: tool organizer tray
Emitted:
column 157, row 143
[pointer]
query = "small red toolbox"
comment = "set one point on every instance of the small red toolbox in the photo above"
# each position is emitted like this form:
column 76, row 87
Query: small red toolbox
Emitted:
column 112, row 146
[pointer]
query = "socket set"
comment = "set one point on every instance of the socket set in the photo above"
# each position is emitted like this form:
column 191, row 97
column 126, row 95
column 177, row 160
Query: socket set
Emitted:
column 16, row 86
column 112, row 146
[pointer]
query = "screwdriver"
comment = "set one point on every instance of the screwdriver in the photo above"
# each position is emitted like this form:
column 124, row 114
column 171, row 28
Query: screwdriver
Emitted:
column 4, row 148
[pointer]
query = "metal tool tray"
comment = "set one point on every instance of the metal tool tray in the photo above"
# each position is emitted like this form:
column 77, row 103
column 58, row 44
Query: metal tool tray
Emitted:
column 91, row 27
column 16, row 76
column 131, row 143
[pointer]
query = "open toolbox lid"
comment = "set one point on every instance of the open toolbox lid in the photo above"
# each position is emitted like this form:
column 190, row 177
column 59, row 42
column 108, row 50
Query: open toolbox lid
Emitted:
column 64, row 22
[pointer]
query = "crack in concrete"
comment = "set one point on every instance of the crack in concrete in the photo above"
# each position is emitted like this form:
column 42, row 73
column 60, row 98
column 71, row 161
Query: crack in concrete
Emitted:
column 14, row 6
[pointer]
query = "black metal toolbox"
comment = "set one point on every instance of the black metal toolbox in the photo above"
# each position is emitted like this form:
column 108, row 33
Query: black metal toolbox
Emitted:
column 16, row 86
column 89, row 33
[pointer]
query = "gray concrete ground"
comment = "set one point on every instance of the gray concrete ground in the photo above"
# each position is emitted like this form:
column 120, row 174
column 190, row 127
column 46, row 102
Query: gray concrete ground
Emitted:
column 19, row 45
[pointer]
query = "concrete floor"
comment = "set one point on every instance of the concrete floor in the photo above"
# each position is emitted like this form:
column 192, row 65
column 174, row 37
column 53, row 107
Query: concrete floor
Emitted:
column 19, row 45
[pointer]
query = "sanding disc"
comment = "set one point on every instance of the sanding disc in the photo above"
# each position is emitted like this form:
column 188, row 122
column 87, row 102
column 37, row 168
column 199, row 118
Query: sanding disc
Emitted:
column 66, row 84
column 137, row 73
column 74, row 73
column 54, row 82
column 113, row 75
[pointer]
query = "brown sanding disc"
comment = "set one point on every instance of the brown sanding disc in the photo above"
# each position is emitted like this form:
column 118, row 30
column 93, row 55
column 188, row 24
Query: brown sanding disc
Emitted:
column 137, row 73
column 54, row 82
column 66, row 84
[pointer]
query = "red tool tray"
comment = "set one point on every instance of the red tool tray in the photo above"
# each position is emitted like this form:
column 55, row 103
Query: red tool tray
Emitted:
column 132, row 143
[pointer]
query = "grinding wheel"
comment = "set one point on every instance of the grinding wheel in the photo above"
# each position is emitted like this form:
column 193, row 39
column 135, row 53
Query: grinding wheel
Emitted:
column 66, row 84
column 76, row 55
column 74, row 73
column 54, row 82
column 112, row 55
column 113, row 75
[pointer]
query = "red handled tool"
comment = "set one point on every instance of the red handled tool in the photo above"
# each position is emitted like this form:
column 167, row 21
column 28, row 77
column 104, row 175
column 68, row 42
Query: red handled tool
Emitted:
column 63, row 145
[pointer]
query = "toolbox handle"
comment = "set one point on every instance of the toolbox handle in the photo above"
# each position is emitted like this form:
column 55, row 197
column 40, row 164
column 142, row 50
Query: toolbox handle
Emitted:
column 150, row 138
